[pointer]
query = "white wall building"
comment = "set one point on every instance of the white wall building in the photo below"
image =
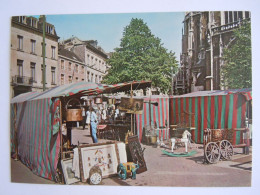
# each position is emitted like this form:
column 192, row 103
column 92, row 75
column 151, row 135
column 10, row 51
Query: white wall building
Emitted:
column 26, row 55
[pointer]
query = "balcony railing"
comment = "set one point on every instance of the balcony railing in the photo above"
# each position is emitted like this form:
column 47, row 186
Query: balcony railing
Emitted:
column 22, row 80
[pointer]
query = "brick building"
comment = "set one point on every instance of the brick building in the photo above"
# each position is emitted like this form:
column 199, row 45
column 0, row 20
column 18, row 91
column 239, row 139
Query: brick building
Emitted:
column 71, row 68
column 26, row 55
column 204, row 36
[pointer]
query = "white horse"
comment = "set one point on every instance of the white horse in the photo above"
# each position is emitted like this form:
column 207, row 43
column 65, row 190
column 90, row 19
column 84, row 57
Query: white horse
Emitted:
column 186, row 137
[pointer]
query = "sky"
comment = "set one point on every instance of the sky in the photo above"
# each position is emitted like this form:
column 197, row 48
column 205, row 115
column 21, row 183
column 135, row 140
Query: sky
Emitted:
column 107, row 29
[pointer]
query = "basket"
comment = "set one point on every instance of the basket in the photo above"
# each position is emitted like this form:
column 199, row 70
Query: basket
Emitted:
column 216, row 135
column 74, row 114
column 228, row 135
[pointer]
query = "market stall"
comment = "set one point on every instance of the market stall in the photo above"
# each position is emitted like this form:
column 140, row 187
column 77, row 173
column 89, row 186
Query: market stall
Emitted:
column 155, row 116
column 211, row 109
column 37, row 119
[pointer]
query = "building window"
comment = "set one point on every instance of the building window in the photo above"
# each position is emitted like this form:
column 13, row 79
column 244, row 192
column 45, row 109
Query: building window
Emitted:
column 88, row 60
column 62, row 64
column 53, row 52
column 88, row 76
column 96, row 63
column 77, row 79
column 240, row 15
column 69, row 66
column 230, row 17
column 20, row 67
column 33, row 23
column 33, row 43
column 92, row 77
column 62, row 79
column 53, row 75
column 246, row 14
column 96, row 81
column 20, row 42
column 33, row 71
column 235, row 17
column 70, row 79
column 49, row 29
column 77, row 68
column 82, row 69
column 82, row 79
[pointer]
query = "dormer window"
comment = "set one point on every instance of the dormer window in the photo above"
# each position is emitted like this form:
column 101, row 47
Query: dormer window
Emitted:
column 49, row 29
column 22, row 19
column 33, row 22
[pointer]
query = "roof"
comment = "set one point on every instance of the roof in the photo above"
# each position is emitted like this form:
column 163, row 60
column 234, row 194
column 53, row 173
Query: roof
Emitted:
column 245, row 91
column 69, row 54
column 81, row 89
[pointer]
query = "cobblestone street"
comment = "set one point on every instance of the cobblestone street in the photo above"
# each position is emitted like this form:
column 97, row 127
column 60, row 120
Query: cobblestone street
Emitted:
column 168, row 171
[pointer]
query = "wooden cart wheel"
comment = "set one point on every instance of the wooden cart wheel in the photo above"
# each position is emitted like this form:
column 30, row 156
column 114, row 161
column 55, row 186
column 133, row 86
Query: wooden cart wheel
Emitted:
column 212, row 152
column 95, row 175
column 226, row 149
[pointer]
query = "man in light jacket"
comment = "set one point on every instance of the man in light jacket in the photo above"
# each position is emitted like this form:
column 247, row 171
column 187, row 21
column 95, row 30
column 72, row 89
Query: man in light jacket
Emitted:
column 93, row 124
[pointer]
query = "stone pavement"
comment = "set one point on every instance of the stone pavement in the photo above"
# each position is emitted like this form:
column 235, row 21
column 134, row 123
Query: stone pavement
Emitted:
column 169, row 171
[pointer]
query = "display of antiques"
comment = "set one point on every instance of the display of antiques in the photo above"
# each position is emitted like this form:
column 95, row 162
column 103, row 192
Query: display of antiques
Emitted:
column 150, row 135
column 128, row 169
column 68, row 174
column 94, row 161
column 186, row 139
column 95, row 175
column 219, row 143
column 137, row 153
column 131, row 105
column 98, row 100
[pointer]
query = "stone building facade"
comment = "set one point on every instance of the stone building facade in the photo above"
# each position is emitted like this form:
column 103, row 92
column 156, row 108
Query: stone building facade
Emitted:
column 204, row 36
column 26, row 55
column 92, row 55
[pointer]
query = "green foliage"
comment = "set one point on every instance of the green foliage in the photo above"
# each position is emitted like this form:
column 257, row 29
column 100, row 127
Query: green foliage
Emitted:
column 237, row 71
column 141, row 56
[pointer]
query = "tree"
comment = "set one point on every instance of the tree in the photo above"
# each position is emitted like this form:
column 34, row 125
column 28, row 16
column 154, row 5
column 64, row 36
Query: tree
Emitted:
column 141, row 56
column 237, row 71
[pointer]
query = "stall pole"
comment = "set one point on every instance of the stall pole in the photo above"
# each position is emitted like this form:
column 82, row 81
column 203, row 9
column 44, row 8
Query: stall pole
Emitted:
column 15, row 132
column 150, row 119
column 61, row 146
column 61, row 143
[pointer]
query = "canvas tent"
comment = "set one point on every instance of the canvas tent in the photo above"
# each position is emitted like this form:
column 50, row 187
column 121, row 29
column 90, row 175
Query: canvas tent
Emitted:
column 155, row 111
column 212, row 109
column 35, row 122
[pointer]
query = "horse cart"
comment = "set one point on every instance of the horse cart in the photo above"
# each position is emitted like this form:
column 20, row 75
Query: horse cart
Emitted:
column 219, row 143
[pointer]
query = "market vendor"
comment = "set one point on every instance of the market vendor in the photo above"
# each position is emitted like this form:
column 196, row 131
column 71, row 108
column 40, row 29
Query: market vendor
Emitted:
column 93, row 125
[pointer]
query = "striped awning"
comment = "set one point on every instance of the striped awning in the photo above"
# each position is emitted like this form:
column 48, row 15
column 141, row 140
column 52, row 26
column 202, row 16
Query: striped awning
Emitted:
column 81, row 89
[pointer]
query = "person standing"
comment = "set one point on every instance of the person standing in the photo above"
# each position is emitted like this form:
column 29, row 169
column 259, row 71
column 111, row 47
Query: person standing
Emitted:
column 116, row 113
column 88, row 117
column 93, row 124
column 104, row 115
column 84, row 117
